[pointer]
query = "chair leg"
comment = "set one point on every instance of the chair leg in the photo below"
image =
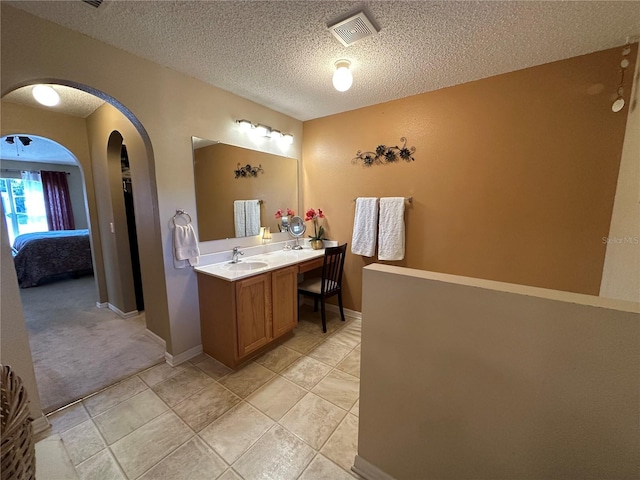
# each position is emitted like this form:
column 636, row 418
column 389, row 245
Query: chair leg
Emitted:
column 315, row 304
column 340, row 304
column 324, row 319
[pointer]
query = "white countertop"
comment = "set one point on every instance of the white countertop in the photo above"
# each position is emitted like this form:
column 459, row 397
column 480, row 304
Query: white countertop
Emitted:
column 258, row 264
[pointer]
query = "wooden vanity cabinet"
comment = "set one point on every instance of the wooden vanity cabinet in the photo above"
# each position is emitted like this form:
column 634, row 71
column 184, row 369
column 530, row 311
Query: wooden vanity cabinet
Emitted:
column 239, row 319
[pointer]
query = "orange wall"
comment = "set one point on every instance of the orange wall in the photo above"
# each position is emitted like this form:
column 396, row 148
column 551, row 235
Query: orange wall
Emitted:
column 513, row 180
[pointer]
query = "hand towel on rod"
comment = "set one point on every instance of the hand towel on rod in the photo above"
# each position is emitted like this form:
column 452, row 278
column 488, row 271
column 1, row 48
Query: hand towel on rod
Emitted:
column 252, row 212
column 363, row 241
column 185, row 246
column 391, row 229
column 239, row 218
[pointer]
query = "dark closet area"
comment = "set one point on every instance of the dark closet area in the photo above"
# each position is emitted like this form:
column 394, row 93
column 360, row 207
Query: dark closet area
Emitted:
column 127, row 188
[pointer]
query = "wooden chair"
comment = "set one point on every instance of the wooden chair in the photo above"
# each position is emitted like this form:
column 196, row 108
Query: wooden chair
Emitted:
column 329, row 284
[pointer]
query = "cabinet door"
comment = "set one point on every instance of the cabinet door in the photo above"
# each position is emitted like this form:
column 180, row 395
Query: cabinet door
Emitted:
column 284, row 283
column 253, row 313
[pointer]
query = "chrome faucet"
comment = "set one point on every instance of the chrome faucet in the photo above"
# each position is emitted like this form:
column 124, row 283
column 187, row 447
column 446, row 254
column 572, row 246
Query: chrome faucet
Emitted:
column 236, row 252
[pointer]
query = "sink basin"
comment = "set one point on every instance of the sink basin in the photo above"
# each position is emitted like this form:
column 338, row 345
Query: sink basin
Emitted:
column 243, row 266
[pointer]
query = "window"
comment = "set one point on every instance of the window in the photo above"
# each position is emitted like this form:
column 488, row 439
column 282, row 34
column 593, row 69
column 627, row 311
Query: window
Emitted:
column 23, row 203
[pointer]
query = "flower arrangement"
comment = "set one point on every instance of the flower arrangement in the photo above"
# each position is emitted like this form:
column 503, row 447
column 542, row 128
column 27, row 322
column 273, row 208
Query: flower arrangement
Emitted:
column 284, row 213
column 314, row 215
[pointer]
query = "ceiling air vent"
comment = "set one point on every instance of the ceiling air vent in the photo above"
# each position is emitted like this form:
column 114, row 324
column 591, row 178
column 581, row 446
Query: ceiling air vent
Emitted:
column 93, row 3
column 353, row 29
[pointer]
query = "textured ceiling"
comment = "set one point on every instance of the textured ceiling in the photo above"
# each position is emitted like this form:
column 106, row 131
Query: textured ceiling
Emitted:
column 281, row 55
column 72, row 101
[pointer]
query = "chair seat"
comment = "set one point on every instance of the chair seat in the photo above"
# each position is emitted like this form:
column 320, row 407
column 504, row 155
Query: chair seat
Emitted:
column 314, row 285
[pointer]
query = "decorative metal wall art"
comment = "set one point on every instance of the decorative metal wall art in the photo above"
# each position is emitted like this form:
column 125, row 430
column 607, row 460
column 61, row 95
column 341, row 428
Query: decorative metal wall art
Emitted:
column 248, row 171
column 385, row 154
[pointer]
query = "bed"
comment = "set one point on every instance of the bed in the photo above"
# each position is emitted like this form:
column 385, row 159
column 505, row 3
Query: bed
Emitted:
column 43, row 255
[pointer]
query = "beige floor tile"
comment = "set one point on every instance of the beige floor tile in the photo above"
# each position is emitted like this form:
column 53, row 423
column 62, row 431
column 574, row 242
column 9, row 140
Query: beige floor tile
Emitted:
column 321, row 468
column 312, row 323
column 278, row 359
column 278, row 455
column 345, row 337
column 182, row 385
column 146, row 446
column 358, row 347
column 229, row 475
column 306, row 372
column 212, row 367
column 68, row 417
column 351, row 364
column 129, row 415
column 192, row 461
column 82, row 441
column 329, row 353
column 160, row 373
column 339, row 388
column 52, row 460
column 356, row 409
column 342, row 446
column 276, row 397
column 302, row 342
column 114, row 395
column 235, row 431
column 313, row 419
column 202, row 408
column 247, row 379
column 101, row 466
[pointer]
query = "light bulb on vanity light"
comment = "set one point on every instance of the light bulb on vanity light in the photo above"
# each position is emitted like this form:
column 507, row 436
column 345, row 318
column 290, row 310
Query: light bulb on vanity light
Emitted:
column 342, row 77
column 262, row 130
column 287, row 138
column 245, row 125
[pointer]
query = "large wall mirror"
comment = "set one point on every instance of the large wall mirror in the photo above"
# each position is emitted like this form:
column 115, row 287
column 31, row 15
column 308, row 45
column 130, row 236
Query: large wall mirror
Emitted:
column 219, row 190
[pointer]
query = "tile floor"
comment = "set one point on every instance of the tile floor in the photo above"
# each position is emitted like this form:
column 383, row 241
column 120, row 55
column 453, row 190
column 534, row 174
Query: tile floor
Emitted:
column 290, row 414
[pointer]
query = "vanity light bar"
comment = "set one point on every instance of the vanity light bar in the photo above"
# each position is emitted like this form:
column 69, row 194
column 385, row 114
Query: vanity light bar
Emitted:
column 265, row 131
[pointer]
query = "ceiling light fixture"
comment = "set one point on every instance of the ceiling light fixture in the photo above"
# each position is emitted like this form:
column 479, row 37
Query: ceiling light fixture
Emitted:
column 342, row 77
column 260, row 130
column 45, row 95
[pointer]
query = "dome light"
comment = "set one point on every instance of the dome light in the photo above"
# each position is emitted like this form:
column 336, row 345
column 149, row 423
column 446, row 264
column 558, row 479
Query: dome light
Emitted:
column 342, row 77
column 45, row 95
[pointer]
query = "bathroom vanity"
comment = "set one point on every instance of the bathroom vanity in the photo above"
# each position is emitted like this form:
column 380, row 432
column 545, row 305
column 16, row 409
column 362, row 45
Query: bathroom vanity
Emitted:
column 248, row 307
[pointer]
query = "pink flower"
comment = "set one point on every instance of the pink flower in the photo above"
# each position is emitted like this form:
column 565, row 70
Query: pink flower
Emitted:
column 310, row 215
column 279, row 213
column 290, row 212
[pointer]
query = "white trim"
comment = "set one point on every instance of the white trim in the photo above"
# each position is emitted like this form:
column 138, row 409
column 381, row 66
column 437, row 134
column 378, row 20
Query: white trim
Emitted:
column 120, row 313
column 175, row 360
column 102, row 304
column 156, row 338
column 40, row 424
column 335, row 308
column 369, row 470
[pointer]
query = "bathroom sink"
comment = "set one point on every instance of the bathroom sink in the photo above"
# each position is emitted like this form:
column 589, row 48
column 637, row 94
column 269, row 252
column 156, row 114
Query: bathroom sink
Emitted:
column 243, row 266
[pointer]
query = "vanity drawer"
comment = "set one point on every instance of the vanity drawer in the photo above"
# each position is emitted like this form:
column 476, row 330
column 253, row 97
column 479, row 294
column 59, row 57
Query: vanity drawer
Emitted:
column 311, row 265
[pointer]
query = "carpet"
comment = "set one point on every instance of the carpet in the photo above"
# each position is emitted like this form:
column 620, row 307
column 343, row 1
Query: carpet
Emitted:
column 77, row 348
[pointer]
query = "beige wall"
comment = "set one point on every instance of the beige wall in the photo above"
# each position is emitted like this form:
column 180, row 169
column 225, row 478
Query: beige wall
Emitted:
column 217, row 187
column 74, row 179
column 621, row 274
column 170, row 108
column 473, row 379
column 513, row 180
column 71, row 133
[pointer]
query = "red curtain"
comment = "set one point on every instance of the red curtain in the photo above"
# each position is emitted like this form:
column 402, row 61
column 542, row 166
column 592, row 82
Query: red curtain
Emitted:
column 57, row 200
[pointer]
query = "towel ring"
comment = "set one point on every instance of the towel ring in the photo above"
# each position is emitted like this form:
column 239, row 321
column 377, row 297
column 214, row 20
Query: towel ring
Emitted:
column 180, row 213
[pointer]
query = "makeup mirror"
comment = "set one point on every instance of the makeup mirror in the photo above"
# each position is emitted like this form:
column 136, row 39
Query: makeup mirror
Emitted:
column 296, row 230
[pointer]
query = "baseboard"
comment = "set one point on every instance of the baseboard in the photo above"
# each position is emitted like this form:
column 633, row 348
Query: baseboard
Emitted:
column 335, row 309
column 122, row 314
column 156, row 338
column 102, row 304
column 40, row 424
column 175, row 360
column 369, row 470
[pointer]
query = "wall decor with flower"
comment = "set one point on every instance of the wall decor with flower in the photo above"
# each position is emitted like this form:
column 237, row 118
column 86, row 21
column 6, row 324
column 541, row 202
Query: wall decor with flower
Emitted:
column 247, row 171
column 384, row 154
column 318, row 231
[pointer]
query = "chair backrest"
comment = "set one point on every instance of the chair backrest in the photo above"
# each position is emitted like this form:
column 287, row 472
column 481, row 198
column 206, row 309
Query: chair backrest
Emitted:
column 332, row 268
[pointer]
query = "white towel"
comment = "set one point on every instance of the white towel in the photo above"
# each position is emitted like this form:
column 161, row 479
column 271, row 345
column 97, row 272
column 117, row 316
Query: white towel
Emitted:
column 391, row 229
column 185, row 246
column 363, row 241
column 252, row 215
column 239, row 218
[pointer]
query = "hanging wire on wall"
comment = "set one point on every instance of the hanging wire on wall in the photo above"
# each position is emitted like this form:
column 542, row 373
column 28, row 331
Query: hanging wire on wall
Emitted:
column 618, row 103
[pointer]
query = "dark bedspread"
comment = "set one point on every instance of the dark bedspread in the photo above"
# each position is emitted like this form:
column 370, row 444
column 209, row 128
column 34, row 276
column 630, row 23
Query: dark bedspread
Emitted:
column 44, row 254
